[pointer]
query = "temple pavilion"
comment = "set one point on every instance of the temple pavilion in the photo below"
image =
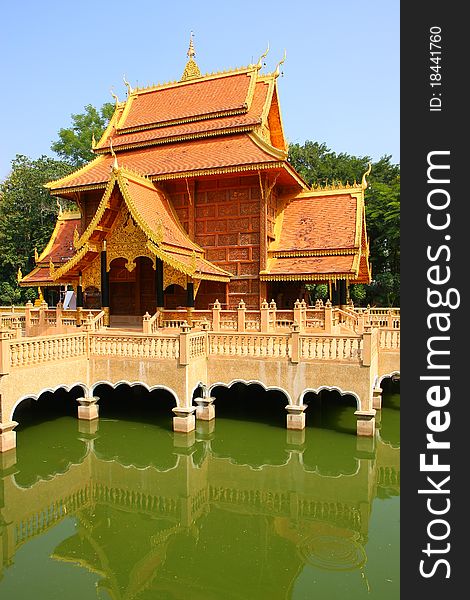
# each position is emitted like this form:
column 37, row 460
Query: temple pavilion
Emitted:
column 191, row 198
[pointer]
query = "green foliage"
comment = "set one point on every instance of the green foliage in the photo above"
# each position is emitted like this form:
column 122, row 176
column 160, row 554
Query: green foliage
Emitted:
column 9, row 294
column 319, row 165
column 358, row 293
column 74, row 143
column 317, row 291
column 27, row 213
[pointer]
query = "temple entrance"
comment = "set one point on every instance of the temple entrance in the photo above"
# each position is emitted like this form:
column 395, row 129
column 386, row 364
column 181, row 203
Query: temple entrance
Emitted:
column 132, row 293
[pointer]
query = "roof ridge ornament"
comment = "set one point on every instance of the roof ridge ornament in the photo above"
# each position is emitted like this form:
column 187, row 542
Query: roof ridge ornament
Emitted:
column 115, row 166
column 366, row 174
column 114, row 96
column 128, row 86
column 277, row 71
column 261, row 62
column 191, row 70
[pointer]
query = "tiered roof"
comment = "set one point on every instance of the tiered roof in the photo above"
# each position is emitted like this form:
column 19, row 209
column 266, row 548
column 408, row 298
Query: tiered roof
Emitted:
column 58, row 251
column 201, row 125
column 206, row 125
column 321, row 235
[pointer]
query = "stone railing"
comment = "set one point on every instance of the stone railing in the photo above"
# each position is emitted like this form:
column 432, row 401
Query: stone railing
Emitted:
column 380, row 317
column 335, row 347
column 150, row 324
column 134, row 345
column 32, row 351
column 389, row 339
column 249, row 344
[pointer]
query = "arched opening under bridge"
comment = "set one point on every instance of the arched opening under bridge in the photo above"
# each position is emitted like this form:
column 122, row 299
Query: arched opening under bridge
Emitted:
column 136, row 402
column 331, row 408
column 250, row 401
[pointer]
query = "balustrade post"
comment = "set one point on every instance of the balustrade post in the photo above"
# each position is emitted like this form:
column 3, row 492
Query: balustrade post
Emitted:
column 328, row 319
column 367, row 348
column 264, row 317
column 88, row 409
column 272, row 316
column 360, row 324
column 184, row 344
column 241, row 313
column 4, row 351
column 27, row 317
column 146, row 324
column 42, row 318
column 389, row 319
column 295, row 343
column 58, row 315
column 216, row 316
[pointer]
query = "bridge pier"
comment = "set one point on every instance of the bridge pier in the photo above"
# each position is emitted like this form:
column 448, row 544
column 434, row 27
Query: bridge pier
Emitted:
column 365, row 422
column 184, row 420
column 377, row 398
column 296, row 416
column 88, row 409
column 7, row 436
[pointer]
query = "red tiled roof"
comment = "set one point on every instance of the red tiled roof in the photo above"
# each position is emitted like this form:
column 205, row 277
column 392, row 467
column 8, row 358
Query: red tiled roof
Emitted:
column 154, row 210
column 308, row 265
column 209, row 126
column 193, row 99
column 319, row 222
column 187, row 156
column 62, row 244
column 38, row 276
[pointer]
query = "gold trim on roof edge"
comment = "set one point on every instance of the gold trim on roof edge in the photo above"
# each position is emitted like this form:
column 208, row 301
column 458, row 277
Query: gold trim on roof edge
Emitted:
column 179, row 138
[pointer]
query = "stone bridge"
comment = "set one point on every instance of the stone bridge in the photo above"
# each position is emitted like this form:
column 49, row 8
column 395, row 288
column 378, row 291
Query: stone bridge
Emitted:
column 348, row 356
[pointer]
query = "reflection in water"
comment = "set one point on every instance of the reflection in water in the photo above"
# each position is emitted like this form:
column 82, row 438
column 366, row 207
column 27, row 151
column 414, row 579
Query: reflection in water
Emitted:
column 116, row 509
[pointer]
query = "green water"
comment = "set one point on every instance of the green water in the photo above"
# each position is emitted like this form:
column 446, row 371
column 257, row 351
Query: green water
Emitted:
column 242, row 511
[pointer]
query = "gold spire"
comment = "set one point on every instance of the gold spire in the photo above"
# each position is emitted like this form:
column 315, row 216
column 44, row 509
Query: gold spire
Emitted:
column 191, row 70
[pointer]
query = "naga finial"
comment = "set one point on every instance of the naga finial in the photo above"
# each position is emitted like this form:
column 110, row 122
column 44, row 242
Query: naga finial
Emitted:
column 113, row 154
column 366, row 174
column 59, row 206
column 114, row 96
column 277, row 69
column 19, row 275
column 36, row 255
column 128, row 86
column 93, row 140
column 262, row 57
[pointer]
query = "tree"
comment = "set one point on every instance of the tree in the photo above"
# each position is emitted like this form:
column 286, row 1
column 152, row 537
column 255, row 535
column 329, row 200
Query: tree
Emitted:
column 318, row 165
column 27, row 213
column 74, row 143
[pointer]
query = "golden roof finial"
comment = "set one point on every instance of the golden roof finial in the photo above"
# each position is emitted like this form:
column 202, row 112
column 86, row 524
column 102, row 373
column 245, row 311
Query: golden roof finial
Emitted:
column 93, row 141
column 262, row 57
column 191, row 71
column 366, row 174
column 36, row 255
column 19, row 275
column 114, row 96
column 128, row 86
column 59, row 206
column 191, row 53
column 115, row 166
column 277, row 70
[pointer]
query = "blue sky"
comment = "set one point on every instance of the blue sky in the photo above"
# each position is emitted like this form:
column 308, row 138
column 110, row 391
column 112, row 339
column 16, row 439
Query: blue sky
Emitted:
column 340, row 83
